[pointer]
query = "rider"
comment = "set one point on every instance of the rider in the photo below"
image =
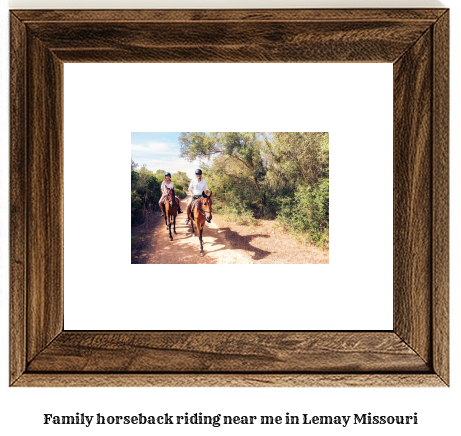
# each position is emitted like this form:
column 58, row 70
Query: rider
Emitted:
column 196, row 188
column 167, row 183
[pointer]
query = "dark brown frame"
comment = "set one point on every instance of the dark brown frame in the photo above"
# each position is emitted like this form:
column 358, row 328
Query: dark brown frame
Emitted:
column 414, row 353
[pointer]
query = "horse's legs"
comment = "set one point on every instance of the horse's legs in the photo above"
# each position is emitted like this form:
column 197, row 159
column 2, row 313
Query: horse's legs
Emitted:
column 201, row 242
column 169, row 227
column 174, row 224
column 192, row 224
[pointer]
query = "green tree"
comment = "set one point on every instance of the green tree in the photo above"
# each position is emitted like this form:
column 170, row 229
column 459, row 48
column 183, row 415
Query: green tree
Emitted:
column 236, row 154
column 181, row 178
column 298, row 179
column 179, row 188
column 145, row 193
column 297, row 158
column 160, row 175
column 134, row 174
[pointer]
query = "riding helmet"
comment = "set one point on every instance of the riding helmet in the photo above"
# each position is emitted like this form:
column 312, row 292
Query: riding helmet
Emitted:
column 198, row 171
column 167, row 174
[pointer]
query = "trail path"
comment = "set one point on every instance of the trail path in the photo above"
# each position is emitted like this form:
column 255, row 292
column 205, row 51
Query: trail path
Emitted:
column 224, row 243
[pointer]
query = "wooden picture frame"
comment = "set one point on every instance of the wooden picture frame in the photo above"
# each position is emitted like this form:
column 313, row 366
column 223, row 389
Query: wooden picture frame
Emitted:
column 414, row 353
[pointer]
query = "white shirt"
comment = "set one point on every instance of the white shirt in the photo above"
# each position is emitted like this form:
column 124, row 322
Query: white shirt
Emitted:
column 166, row 185
column 198, row 187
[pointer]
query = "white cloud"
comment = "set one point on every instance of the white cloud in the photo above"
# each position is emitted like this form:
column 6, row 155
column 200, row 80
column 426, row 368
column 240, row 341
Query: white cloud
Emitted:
column 155, row 147
column 162, row 156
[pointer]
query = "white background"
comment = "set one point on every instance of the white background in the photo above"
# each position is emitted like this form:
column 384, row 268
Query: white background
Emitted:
column 104, row 103
column 22, row 409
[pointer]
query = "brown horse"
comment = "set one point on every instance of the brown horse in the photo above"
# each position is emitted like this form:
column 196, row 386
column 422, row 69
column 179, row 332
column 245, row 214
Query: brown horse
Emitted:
column 200, row 211
column 171, row 211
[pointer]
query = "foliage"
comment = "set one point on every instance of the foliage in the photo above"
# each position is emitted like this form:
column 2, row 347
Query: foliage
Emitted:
column 282, row 175
column 297, row 157
column 181, row 178
column 307, row 212
column 145, row 192
column 233, row 153
column 160, row 175
column 181, row 183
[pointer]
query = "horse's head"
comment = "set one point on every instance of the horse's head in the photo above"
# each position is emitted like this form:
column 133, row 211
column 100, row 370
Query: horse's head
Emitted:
column 171, row 196
column 206, row 205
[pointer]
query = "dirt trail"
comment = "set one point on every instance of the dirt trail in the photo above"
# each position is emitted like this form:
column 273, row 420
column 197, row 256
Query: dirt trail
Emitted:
column 185, row 247
column 224, row 243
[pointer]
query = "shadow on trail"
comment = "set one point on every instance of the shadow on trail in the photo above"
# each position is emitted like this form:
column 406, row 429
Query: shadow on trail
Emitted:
column 244, row 243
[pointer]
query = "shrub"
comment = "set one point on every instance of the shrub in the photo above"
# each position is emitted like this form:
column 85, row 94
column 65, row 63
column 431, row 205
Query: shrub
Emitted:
column 179, row 189
column 145, row 193
column 179, row 192
column 307, row 212
column 136, row 206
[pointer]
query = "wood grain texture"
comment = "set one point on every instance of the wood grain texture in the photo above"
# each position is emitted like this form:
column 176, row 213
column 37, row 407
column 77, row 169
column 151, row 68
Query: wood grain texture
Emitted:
column 414, row 354
column 311, row 41
column 241, row 352
column 441, row 213
column 413, row 196
column 44, row 198
column 205, row 15
column 18, row 211
column 230, row 380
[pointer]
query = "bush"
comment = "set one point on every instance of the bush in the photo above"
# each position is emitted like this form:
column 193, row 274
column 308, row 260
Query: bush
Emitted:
column 307, row 212
column 145, row 193
column 233, row 205
column 179, row 189
column 179, row 192
column 136, row 206
column 237, row 212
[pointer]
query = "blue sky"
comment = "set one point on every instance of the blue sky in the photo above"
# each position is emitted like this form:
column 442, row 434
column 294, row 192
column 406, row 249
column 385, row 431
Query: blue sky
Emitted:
column 160, row 151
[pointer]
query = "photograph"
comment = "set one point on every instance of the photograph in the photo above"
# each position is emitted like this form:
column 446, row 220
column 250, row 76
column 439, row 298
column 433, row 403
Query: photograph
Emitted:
column 245, row 197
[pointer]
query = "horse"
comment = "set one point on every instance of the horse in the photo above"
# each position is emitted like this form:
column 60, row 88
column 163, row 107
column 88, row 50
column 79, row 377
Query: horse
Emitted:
column 200, row 211
column 171, row 211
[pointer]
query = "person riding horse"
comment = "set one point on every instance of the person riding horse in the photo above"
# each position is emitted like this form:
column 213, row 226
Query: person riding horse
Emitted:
column 195, row 189
column 167, row 183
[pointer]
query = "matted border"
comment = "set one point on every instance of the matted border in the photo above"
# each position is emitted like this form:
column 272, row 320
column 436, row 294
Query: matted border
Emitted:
column 415, row 353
